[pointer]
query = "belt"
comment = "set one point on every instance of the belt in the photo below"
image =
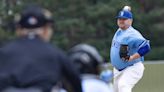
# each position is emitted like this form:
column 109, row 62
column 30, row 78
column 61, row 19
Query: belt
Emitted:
column 124, row 68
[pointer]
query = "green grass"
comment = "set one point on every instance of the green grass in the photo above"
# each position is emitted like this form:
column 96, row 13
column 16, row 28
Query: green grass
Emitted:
column 153, row 79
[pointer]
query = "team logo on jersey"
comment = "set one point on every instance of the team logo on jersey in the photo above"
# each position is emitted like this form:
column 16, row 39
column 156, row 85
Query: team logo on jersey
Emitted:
column 115, row 44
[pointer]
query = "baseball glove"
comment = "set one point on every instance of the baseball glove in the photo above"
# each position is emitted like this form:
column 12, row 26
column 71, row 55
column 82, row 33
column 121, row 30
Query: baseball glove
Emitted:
column 124, row 52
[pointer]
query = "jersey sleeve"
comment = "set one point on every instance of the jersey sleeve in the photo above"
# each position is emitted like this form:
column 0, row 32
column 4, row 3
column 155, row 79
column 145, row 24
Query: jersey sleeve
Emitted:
column 141, row 44
column 144, row 48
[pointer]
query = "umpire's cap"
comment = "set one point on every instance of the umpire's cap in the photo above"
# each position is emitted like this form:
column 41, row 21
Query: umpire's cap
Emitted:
column 33, row 16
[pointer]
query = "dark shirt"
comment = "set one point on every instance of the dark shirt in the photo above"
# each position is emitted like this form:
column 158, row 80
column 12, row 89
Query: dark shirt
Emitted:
column 32, row 62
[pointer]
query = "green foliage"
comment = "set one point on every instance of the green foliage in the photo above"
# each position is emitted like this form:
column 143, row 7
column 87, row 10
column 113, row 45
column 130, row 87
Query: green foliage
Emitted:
column 156, row 53
column 93, row 21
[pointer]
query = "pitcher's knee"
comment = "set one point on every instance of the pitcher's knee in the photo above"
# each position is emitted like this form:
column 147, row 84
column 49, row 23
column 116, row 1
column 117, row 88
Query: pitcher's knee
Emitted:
column 124, row 87
column 121, row 84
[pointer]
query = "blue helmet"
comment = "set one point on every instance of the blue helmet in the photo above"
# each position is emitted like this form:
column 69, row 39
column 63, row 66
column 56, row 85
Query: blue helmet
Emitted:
column 125, row 14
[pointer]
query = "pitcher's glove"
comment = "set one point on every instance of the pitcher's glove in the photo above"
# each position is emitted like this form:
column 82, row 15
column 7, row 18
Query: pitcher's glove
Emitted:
column 124, row 52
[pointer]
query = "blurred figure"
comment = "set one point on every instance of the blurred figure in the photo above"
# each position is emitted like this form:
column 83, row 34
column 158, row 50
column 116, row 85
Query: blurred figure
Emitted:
column 87, row 60
column 30, row 62
column 107, row 75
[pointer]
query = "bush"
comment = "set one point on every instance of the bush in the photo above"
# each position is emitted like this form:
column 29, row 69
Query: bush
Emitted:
column 156, row 53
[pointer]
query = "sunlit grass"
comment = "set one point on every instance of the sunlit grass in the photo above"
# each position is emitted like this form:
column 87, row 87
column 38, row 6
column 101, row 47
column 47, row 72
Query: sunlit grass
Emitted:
column 153, row 79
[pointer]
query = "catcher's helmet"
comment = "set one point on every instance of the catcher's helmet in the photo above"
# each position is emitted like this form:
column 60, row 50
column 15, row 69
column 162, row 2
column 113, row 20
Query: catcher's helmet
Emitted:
column 86, row 58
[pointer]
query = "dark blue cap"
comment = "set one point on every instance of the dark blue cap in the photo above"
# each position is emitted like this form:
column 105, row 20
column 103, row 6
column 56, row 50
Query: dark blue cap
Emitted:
column 125, row 14
column 33, row 17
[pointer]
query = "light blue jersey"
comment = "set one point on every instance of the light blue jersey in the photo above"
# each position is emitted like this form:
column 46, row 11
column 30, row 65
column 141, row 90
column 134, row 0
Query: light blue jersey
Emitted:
column 133, row 39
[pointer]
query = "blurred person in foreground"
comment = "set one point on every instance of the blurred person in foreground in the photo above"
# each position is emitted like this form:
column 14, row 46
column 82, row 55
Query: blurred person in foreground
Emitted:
column 88, row 61
column 30, row 62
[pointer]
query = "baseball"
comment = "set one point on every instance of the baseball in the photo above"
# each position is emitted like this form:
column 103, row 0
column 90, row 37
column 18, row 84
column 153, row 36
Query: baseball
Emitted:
column 127, row 8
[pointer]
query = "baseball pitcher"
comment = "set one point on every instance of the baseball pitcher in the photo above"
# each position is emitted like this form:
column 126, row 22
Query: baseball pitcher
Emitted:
column 127, row 53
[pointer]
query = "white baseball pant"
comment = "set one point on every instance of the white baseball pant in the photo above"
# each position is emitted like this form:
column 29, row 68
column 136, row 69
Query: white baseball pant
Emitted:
column 126, row 79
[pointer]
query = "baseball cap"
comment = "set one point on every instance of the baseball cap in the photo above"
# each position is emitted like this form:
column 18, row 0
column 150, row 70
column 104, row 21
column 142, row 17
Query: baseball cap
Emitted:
column 125, row 14
column 33, row 16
